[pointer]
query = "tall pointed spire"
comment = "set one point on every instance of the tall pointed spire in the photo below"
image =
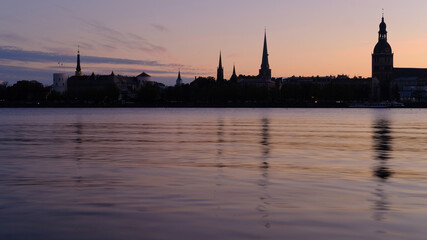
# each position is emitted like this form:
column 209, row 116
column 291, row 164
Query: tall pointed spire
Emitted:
column 78, row 68
column 265, row 53
column 179, row 80
column 265, row 71
column 234, row 75
column 220, row 72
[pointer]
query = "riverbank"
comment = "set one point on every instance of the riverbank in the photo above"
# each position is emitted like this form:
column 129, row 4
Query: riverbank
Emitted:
column 203, row 105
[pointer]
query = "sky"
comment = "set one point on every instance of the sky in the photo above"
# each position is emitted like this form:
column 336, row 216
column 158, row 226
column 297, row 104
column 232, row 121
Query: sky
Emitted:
column 161, row 37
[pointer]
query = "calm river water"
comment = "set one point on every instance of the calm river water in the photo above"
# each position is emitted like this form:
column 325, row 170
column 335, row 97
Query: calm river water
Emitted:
column 213, row 174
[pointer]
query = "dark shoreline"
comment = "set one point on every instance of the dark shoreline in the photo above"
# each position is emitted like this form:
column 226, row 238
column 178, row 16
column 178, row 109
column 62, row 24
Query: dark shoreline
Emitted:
column 191, row 105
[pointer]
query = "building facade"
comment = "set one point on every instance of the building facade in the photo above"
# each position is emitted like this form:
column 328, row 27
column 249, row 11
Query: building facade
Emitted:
column 60, row 82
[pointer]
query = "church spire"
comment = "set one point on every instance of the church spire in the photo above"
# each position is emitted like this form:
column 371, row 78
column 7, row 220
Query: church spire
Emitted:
column 220, row 60
column 78, row 68
column 264, row 63
column 179, row 80
column 220, row 72
column 265, row 71
column 234, row 69
column 234, row 75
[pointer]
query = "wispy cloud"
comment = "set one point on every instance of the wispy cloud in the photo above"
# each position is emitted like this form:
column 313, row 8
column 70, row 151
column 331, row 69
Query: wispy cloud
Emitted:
column 114, row 38
column 12, row 37
column 159, row 27
column 16, row 73
column 17, row 54
column 18, row 64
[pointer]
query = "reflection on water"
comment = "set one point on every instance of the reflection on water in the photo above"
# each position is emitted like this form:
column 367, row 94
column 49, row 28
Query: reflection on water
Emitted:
column 383, row 148
column 264, row 180
column 382, row 137
column 213, row 174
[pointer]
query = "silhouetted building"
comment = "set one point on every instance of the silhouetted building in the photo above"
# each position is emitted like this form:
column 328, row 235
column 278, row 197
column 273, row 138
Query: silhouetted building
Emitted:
column 179, row 80
column 264, row 77
column 98, row 86
column 382, row 65
column 391, row 83
column 126, row 87
column 220, row 71
column 84, row 87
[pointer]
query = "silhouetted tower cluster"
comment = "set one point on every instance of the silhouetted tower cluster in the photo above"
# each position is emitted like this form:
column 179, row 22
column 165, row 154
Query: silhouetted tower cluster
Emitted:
column 264, row 73
column 382, row 65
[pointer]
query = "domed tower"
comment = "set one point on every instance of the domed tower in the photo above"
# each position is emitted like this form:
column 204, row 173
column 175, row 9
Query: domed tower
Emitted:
column 382, row 64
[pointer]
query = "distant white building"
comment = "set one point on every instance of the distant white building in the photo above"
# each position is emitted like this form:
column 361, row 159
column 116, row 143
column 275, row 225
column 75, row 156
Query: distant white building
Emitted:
column 60, row 82
column 143, row 78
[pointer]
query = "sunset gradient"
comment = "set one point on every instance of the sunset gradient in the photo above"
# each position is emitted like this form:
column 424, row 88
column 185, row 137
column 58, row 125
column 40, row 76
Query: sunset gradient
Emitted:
column 128, row 37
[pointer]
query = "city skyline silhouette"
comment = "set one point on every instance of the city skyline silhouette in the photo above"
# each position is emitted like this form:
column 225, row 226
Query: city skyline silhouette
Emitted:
column 307, row 39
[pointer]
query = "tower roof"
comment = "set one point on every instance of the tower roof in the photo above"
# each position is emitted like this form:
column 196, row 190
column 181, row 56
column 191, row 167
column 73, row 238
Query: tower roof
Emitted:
column 383, row 27
column 220, row 60
column 143, row 75
column 78, row 68
column 179, row 76
column 264, row 63
column 382, row 47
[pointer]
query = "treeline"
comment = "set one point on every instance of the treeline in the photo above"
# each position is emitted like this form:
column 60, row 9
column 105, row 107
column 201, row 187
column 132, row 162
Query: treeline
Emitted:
column 202, row 91
column 24, row 91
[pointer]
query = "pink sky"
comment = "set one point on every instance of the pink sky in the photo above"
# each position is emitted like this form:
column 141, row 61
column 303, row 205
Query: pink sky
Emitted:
column 304, row 37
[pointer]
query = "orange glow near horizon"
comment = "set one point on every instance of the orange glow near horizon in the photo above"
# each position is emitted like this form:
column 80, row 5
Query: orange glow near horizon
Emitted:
column 307, row 38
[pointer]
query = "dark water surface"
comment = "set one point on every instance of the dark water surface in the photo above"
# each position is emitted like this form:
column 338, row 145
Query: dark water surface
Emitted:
column 213, row 174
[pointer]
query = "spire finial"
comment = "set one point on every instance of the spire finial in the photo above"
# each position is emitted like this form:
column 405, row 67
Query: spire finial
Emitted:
column 78, row 48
